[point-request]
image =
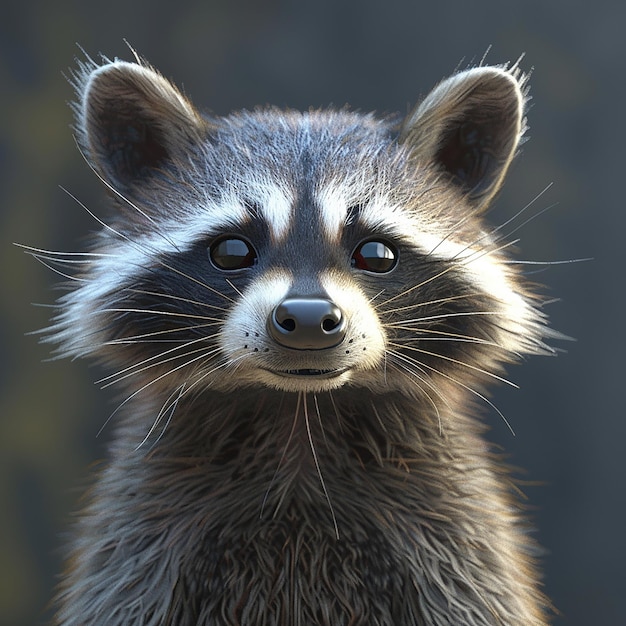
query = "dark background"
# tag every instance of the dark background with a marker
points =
(569, 414)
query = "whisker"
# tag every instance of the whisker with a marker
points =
(443, 272)
(376, 295)
(498, 228)
(202, 376)
(319, 418)
(440, 335)
(159, 416)
(407, 360)
(175, 314)
(281, 460)
(120, 235)
(523, 210)
(149, 384)
(317, 465)
(423, 303)
(60, 255)
(150, 362)
(563, 262)
(441, 316)
(133, 339)
(405, 366)
(172, 410)
(457, 362)
(58, 271)
(123, 198)
(470, 390)
(98, 220)
(336, 410)
(234, 288)
(170, 296)
(453, 263)
(195, 280)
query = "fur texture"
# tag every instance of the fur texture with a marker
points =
(266, 470)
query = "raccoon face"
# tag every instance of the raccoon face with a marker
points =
(300, 252)
(307, 335)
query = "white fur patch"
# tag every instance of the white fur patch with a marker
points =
(250, 313)
(365, 341)
(276, 204)
(334, 208)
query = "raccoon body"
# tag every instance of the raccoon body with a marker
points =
(303, 310)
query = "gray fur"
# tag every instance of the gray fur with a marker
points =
(238, 492)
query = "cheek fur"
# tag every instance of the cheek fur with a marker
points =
(366, 338)
(244, 330)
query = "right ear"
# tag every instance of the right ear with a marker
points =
(133, 123)
(469, 127)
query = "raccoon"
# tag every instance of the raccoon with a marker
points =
(303, 310)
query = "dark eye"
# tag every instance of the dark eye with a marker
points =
(374, 256)
(232, 253)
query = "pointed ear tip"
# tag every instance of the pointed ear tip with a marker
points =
(511, 75)
(119, 68)
(113, 75)
(99, 72)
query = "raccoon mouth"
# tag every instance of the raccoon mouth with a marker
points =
(309, 373)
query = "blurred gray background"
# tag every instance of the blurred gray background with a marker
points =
(569, 414)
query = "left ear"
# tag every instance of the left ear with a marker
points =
(470, 126)
(132, 124)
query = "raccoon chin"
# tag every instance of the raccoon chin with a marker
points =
(305, 379)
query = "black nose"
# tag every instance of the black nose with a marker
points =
(307, 323)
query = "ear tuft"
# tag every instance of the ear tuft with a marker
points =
(469, 126)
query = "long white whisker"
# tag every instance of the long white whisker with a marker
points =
(441, 316)
(58, 271)
(439, 335)
(143, 366)
(137, 246)
(317, 466)
(195, 280)
(97, 219)
(282, 458)
(170, 296)
(123, 198)
(407, 360)
(405, 366)
(423, 303)
(162, 412)
(57, 254)
(149, 384)
(147, 337)
(171, 411)
(319, 418)
(472, 391)
(457, 362)
(523, 210)
(174, 314)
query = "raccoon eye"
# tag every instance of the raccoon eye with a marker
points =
(374, 256)
(232, 253)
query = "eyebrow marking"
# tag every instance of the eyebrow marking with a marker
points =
(276, 207)
(333, 211)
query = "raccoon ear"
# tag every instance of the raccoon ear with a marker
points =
(470, 126)
(132, 123)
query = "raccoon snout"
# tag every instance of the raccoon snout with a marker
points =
(307, 323)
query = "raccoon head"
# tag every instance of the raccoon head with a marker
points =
(299, 251)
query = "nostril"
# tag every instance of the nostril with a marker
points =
(289, 324)
(330, 323)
